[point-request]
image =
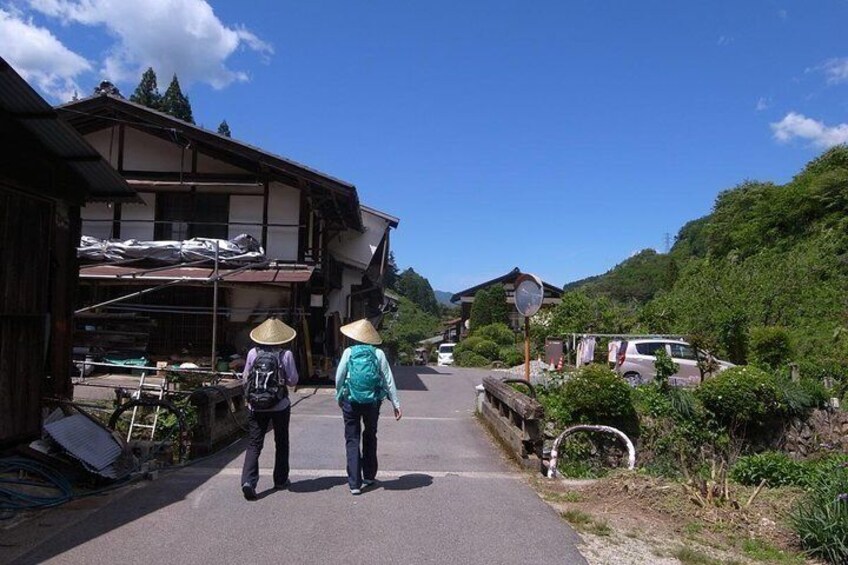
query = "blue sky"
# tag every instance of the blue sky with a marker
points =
(559, 137)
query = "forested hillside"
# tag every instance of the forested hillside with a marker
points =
(768, 256)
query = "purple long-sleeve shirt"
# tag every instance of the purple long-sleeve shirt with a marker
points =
(288, 371)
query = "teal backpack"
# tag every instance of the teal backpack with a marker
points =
(364, 381)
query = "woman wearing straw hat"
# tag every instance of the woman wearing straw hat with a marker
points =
(269, 354)
(363, 380)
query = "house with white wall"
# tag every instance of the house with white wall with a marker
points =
(325, 253)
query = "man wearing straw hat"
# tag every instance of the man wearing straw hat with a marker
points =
(269, 336)
(363, 380)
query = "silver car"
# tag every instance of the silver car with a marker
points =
(636, 359)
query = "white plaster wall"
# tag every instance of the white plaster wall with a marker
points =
(283, 208)
(337, 299)
(147, 212)
(355, 248)
(245, 299)
(247, 209)
(102, 139)
(144, 152)
(206, 164)
(96, 211)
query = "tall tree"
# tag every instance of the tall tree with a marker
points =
(147, 92)
(175, 103)
(390, 277)
(489, 307)
(224, 129)
(416, 288)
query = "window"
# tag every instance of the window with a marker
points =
(185, 215)
(682, 351)
(649, 348)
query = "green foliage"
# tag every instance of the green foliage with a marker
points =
(147, 93)
(664, 367)
(595, 395)
(638, 278)
(489, 307)
(748, 400)
(578, 312)
(771, 347)
(498, 332)
(224, 129)
(488, 349)
(175, 103)
(775, 467)
(511, 356)
(403, 329)
(390, 276)
(821, 519)
(470, 359)
(416, 288)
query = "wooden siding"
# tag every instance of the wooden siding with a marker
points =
(25, 239)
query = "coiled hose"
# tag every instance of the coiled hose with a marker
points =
(14, 499)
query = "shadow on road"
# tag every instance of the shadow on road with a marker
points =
(315, 485)
(407, 482)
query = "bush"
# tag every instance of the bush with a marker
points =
(487, 348)
(596, 395)
(499, 333)
(770, 347)
(470, 359)
(467, 344)
(821, 519)
(777, 468)
(744, 397)
(511, 356)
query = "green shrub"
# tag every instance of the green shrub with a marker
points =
(511, 356)
(821, 519)
(819, 395)
(470, 359)
(777, 468)
(487, 348)
(499, 333)
(467, 344)
(596, 395)
(770, 347)
(743, 398)
(664, 367)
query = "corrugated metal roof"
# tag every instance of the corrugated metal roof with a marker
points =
(59, 139)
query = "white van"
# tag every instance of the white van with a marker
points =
(445, 354)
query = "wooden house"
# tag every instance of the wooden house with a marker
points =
(47, 171)
(325, 252)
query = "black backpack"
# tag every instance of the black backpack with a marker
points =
(264, 387)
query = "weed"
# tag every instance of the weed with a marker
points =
(763, 551)
(689, 556)
(576, 518)
(601, 528)
(693, 528)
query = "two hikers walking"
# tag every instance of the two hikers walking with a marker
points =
(363, 380)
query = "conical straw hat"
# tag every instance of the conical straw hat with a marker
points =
(362, 331)
(272, 332)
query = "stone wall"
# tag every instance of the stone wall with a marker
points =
(824, 432)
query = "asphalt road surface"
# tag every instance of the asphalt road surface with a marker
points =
(445, 495)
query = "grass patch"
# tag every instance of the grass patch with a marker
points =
(563, 497)
(689, 556)
(599, 528)
(577, 518)
(693, 528)
(586, 523)
(760, 550)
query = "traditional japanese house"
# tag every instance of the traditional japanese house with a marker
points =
(324, 254)
(47, 171)
(465, 299)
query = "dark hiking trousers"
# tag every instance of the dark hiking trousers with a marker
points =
(257, 427)
(360, 465)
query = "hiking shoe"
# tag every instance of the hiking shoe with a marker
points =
(248, 491)
(283, 486)
(355, 491)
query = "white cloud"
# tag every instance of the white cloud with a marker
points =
(782, 14)
(836, 70)
(795, 125)
(724, 41)
(172, 36)
(762, 104)
(39, 57)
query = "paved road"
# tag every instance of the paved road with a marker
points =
(446, 495)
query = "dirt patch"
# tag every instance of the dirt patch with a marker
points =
(632, 518)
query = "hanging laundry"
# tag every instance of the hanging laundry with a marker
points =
(612, 349)
(588, 351)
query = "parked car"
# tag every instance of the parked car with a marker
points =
(636, 360)
(445, 354)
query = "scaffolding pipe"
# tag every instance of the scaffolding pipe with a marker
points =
(127, 297)
(215, 308)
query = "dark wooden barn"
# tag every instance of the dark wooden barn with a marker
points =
(47, 171)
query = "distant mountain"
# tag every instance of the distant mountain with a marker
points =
(443, 297)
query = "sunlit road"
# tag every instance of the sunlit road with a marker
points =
(445, 495)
